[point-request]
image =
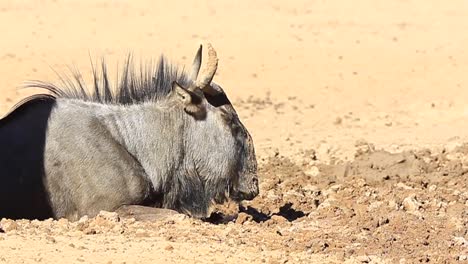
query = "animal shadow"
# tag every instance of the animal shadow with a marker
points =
(285, 211)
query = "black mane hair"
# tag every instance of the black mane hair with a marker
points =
(132, 87)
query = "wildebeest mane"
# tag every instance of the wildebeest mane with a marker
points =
(133, 86)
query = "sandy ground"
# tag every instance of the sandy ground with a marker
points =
(323, 87)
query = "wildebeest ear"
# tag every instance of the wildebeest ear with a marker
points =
(191, 101)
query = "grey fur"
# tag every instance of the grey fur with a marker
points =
(153, 140)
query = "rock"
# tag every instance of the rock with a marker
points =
(242, 218)
(272, 196)
(278, 219)
(8, 225)
(403, 186)
(323, 153)
(460, 241)
(327, 203)
(311, 189)
(363, 147)
(393, 204)
(374, 205)
(89, 231)
(141, 233)
(363, 259)
(62, 222)
(84, 219)
(410, 204)
(83, 223)
(313, 171)
(110, 216)
(51, 239)
(169, 248)
(452, 146)
(338, 121)
(382, 221)
(293, 193)
(336, 187)
(179, 217)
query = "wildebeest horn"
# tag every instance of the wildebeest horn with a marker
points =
(196, 64)
(204, 78)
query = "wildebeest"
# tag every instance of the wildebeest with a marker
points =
(161, 137)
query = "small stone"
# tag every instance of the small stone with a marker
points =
(141, 233)
(110, 216)
(382, 221)
(293, 193)
(313, 171)
(62, 221)
(460, 241)
(393, 204)
(8, 225)
(363, 259)
(278, 219)
(311, 189)
(403, 186)
(169, 248)
(452, 146)
(323, 153)
(90, 231)
(242, 218)
(374, 205)
(327, 203)
(51, 239)
(363, 147)
(84, 219)
(410, 204)
(336, 187)
(179, 217)
(338, 121)
(272, 196)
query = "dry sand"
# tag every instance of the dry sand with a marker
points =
(316, 83)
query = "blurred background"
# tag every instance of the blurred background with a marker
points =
(302, 74)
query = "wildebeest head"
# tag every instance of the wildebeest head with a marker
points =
(217, 143)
